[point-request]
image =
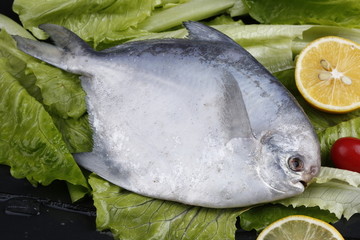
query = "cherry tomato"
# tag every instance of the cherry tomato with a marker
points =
(345, 153)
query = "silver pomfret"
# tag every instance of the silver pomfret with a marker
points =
(196, 120)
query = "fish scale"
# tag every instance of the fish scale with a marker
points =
(197, 121)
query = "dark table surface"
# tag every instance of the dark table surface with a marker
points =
(46, 213)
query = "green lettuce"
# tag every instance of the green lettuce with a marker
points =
(30, 143)
(132, 216)
(194, 10)
(334, 189)
(93, 21)
(324, 12)
(108, 22)
(61, 91)
(13, 28)
(77, 133)
(334, 193)
(260, 217)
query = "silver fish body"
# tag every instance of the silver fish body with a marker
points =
(197, 121)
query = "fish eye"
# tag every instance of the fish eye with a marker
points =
(296, 164)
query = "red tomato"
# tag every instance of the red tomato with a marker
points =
(345, 153)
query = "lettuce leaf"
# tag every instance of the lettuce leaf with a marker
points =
(77, 133)
(93, 21)
(334, 189)
(260, 217)
(131, 216)
(61, 91)
(191, 10)
(108, 23)
(17, 60)
(318, 31)
(335, 193)
(30, 143)
(13, 27)
(325, 12)
(346, 128)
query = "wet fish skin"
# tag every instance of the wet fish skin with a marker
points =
(197, 120)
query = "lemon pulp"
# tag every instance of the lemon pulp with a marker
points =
(299, 227)
(327, 74)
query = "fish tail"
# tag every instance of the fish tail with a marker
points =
(67, 46)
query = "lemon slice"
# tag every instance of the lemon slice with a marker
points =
(327, 74)
(299, 227)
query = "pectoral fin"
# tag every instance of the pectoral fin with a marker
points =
(235, 109)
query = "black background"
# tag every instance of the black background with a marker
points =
(42, 213)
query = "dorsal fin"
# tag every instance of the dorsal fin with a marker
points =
(66, 39)
(199, 31)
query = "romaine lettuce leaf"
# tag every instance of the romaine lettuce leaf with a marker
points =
(324, 12)
(191, 10)
(318, 31)
(346, 128)
(13, 27)
(103, 24)
(334, 189)
(334, 193)
(77, 192)
(61, 91)
(30, 143)
(93, 21)
(260, 217)
(17, 62)
(108, 23)
(77, 133)
(131, 216)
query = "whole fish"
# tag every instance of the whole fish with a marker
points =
(197, 120)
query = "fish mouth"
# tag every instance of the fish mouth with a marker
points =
(299, 185)
(304, 183)
(308, 176)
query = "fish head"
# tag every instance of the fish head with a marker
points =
(289, 161)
